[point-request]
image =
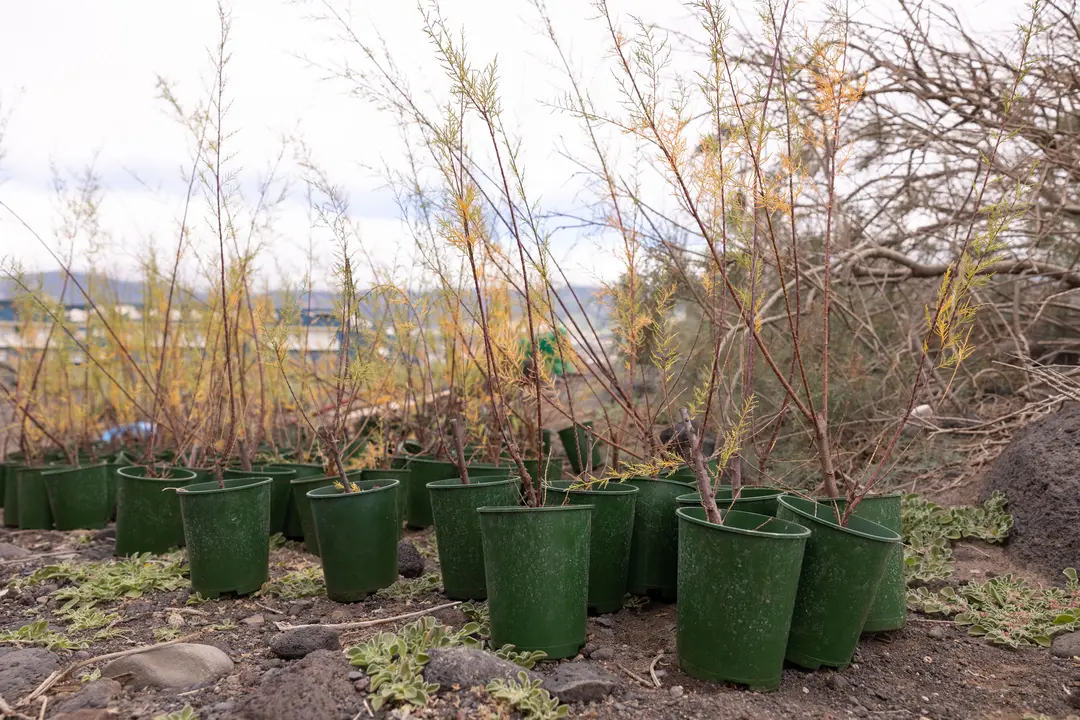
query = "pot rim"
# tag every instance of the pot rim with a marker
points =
(197, 488)
(882, 534)
(801, 534)
(59, 471)
(330, 492)
(611, 488)
(695, 496)
(452, 484)
(141, 476)
(518, 510)
(259, 471)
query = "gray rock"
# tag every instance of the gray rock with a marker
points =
(936, 633)
(253, 620)
(93, 696)
(23, 670)
(315, 688)
(355, 675)
(676, 691)
(1066, 645)
(171, 667)
(12, 552)
(603, 653)
(604, 621)
(468, 667)
(580, 682)
(295, 644)
(836, 681)
(410, 562)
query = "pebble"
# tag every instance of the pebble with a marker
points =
(605, 621)
(253, 620)
(676, 691)
(661, 673)
(837, 681)
(604, 653)
(937, 633)
(362, 684)
(355, 675)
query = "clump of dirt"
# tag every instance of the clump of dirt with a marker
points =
(1037, 471)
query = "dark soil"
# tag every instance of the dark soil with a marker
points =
(1038, 474)
(931, 669)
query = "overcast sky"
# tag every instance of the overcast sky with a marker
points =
(77, 82)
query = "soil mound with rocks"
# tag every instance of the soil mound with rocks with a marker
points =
(1039, 472)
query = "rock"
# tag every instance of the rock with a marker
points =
(254, 620)
(409, 561)
(23, 670)
(1067, 645)
(937, 633)
(604, 653)
(316, 688)
(355, 675)
(467, 667)
(605, 621)
(1037, 473)
(295, 644)
(836, 681)
(580, 682)
(13, 552)
(92, 696)
(676, 691)
(171, 667)
(106, 534)
(1073, 699)
(86, 714)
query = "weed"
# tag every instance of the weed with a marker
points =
(1006, 610)
(166, 633)
(412, 589)
(91, 676)
(302, 583)
(38, 633)
(928, 528)
(186, 713)
(527, 697)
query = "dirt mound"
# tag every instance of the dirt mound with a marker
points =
(1039, 472)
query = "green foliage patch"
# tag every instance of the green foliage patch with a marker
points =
(928, 529)
(302, 583)
(527, 697)
(412, 589)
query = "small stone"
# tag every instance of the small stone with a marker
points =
(253, 620)
(363, 684)
(604, 653)
(676, 691)
(937, 633)
(467, 667)
(339, 616)
(1066, 645)
(222, 707)
(355, 675)
(175, 666)
(43, 600)
(298, 643)
(13, 552)
(410, 561)
(92, 696)
(836, 681)
(605, 621)
(589, 649)
(660, 673)
(1073, 699)
(860, 711)
(580, 682)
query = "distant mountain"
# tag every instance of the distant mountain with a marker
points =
(127, 292)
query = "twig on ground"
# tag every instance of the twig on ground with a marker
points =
(652, 668)
(370, 623)
(635, 676)
(9, 712)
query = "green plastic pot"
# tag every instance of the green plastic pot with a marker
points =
(402, 476)
(280, 490)
(654, 548)
(417, 500)
(11, 494)
(148, 518)
(226, 530)
(889, 611)
(760, 500)
(842, 569)
(579, 441)
(457, 530)
(357, 539)
(609, 545)
(79, 497)
(301, 486)
(536, 561)
(34, 512)
(3, 483)
(294, 529)
(737, 587)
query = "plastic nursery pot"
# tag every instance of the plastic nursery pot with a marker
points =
(226, 530)
(294, 529)
(11, 494)
(842, 569)
(609, 545)
(34, 511)
(148, 518)
(889, 611)
(737, 588)
(3, 483)
(654, 548)
(760, 500)
(280, 490)
(457, 529)
(357, 539)
(536, 561)
(402, 476)
(417, 500)
(79, 497)
(301, 486)
(579, 441)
